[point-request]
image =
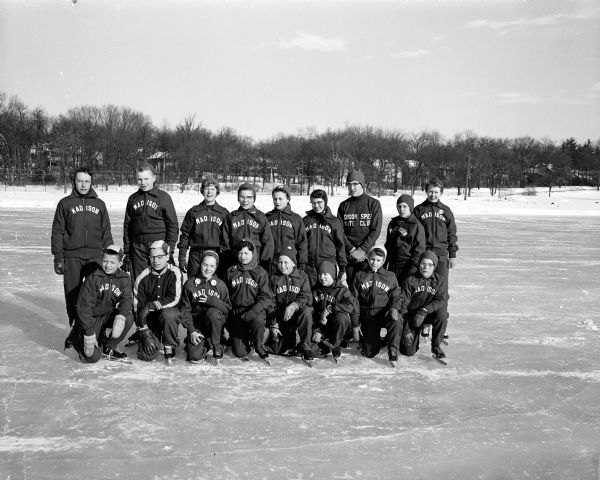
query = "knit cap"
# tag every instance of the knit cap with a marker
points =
(328, 267)
(289, 251)
(282, 188)
(355, 176)
(430, 256)
(405, 198)
(247, 186)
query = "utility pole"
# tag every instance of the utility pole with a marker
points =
(468, 175)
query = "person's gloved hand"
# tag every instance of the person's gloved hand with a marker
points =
(419, 318)
(148, 341)
(118, 326)
(183, 264)
(195, 338)
(356, 333)
(89, 344)
(289, 311)
(275, 332)
(316, 337)
(59, 267)
(126, 267)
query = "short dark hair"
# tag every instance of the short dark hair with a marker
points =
(85, 170)
(377, 251)
(319, 193)
(146, 166)
(248, 244)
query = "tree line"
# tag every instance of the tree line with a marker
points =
(35, 146)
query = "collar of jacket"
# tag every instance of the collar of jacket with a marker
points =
(294, 273)
(240, 211)
(216, 207)
(153, 191)
(118, 274)
(164, 270)
(326, 213)
(287, 210)
(91, 194)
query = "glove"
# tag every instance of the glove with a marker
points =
(356, 333)
(344, 278)
(317, 337)
(274, 331)
(182, 264)
(126, 267)
(195, 338)
(171, 259)
(289, 311)
(89, 344)
(395, 314)
(358, 255)
(118, 326)
(153, 306)
(419, 318)
(451, 262)
(59, 268)
(149, 345)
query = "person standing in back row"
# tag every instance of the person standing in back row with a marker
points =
(80, 231)
(201, 229)
(149, 216)
(440, 230)
(362, 218)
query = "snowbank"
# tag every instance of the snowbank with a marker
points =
(581, 201)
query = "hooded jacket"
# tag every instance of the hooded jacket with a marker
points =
(217, 297)
(100, 295)
(163, 289)
(429, 294)
(362, 218)
(81, 226)
(249, 287)
(201, 227)
(150, 216)
(440, 228)
(251, 225)
(404, 243)
(288, 230)
(325, 237)
(338, 297)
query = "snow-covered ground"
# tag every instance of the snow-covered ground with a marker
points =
(519, 399)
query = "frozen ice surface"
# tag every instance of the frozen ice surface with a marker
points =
(519, 399)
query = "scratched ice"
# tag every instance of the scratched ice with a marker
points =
(519, 399)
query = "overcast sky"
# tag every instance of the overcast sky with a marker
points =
(497, 68)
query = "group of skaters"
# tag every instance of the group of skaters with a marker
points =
(276, 283)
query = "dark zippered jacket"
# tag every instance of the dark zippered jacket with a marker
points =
(249, 288)
(291, 288)
(101, 294)
(404, 243)
(325, 236)
(440, 228)
(429, 294)
(81, 226)
(288, 230)
(376, 290)
(150, 216)
(163, 289)
(217, 297)
(201, 228)
(338, 297)
(251, 225)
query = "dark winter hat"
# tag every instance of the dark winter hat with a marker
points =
(289, 251)
(328, 267)
(319, 193)
(355, 176)
(247, 186)
(429, 255)
(210, 181)
(282, 188)
(210, 253)
(405, 198)
(114, 250)
(146, 166)
(379, 250)
(160, 245)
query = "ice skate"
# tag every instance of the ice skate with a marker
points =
(393, 357)
(264, 356)
(115, 355)
(439, 355)
(169, 353)
(307, 358)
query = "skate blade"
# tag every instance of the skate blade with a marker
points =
(441, 361)
(393, 363)
(118, 360)
(308, 363)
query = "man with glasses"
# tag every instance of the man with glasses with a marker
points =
(156, 296)
(362, 218)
